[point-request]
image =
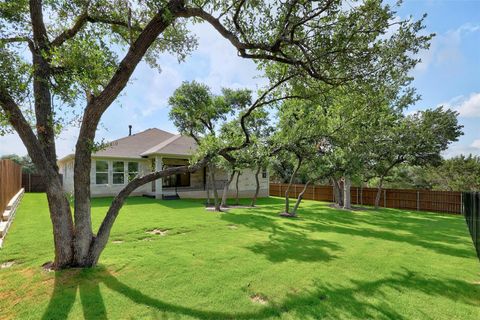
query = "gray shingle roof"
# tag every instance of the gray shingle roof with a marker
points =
(145, 143)
(133, 146)
(176, 145)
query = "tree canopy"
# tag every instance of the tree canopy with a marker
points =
(66, 62)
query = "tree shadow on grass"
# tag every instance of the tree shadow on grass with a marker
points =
(437, 233)
(367, 299)
(359, 299)
(64, 293)
(440, 233)
(284, 244)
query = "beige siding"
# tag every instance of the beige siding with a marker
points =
(246, 181)
(66, 169)
(246, 184)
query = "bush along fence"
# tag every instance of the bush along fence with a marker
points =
(471, 209)
(10, 194)
(423, 200)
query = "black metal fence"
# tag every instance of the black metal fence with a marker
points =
(471, 210)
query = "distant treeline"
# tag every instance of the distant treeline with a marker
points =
(24, 161)
(460, 173)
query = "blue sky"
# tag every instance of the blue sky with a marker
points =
(448, 75)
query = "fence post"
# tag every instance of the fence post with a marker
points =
(357, 195)
(461, 203)
(418, 200)
(361, 194)
(313, 192)
(384, 198)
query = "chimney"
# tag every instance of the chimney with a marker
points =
(130, 130)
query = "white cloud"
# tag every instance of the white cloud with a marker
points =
(468, 107)
(445, 49)
(459, 148)
(226, 68)
(476, 144)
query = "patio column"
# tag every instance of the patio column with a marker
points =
(158, 182)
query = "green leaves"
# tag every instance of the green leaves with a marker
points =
(84, 64)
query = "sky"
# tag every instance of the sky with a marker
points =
(448, 75)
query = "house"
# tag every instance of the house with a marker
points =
(155, 149)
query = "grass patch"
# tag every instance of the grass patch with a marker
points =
(246, 264)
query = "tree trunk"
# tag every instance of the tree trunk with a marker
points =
(211, 174)
(225, 189)
(237, 200)
(208, 194)
(100, 241)
(294, 173)
(379, 193)
(338, 194)
(257, 189)
(299, 199)
(63, 230)
(347, 203)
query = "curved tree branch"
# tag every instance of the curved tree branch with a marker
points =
(24, 130)
(104, 231)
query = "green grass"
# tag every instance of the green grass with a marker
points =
(385, 264)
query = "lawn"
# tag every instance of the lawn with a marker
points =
(247, 264)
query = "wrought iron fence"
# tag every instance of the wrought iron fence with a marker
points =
(471, 210)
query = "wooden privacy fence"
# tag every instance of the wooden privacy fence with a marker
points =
(33, 182)
(424, 200)
(10, 181)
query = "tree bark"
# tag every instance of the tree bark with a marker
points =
(225, 190)
(294, 173)
(299, 199)
(211, 174)
(257, 188)
(208, 193)
(379, 192)
(237, 200)
(338, 194)
(94, 110)
(63, 229)
(347, 184)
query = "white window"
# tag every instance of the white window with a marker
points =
(118, 173)
(101, 172)
(132, 170)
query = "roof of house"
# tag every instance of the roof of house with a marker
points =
(149, 142)
(176, 145)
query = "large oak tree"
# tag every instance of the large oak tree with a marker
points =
(74, 64)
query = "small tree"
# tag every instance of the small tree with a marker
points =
(255, 156)
(416, 139)
(200, 114)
